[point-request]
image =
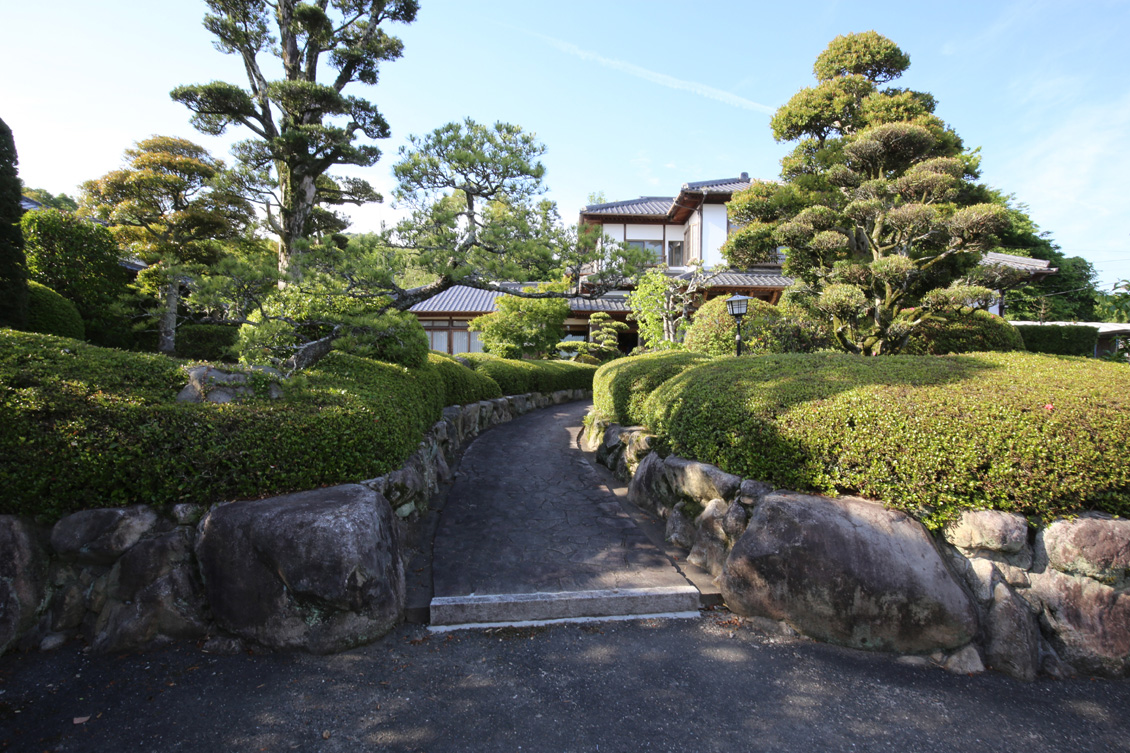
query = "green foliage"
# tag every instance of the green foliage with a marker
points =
(1059, 339)
(877, 211)
(932, 436)
(621, 387)
(604, 342)
(62, 201)
(462, 385)
(963, 331)
(301, 127)
(51, 314)
(77, 259)
(296, 315)
(662, 304)
(93, 427)
(208, 342)
(524, 326)
(519, 377)
(765, 329)
(13, 265)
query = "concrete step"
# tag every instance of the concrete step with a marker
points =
(490, 609)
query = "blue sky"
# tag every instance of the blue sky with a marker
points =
(630, 98)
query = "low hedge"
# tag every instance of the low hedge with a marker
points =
(963, 331)
(1040, 435)
(207, 342)
(517, 377)
(1059, 339)
(92, 427)
(621, 386)
(49, 313)
(462, 385)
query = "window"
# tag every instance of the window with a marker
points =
(451, 336)
(654, 249)
(674, 253)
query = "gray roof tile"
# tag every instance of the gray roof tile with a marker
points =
(1017, 262)
(645, 206)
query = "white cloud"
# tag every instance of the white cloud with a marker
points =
(662, 79)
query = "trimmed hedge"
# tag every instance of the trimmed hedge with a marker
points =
(621, 386)
(49, 313)
(1040, 435)
(208, 342)
(92, 427)
(1059, 339)
(462, 385)
(713, 331)
(517, 377)
(963, 331)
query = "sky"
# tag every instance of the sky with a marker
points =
(630, 98)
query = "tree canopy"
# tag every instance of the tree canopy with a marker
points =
(877, 210)
(303, 125)
(164, 206)
(13, 266)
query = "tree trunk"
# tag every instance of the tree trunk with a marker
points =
(167, 326)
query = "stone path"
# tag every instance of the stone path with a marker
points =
(530, 533)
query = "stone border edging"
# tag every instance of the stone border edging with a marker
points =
(1053, 600)
(131, 578)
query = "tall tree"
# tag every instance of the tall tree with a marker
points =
(876, 210)
(163, 206)
(13, 265)
(302, 127)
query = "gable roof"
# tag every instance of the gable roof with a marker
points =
(673, 210)
(460, 299)
(1039, 267)
(644, 206)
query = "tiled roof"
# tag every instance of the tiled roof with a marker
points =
(463, 299)
(1104, 328)
(1017, 262)
(644, 206)
(610, 302)
(751, 280)
(29, 205)
(721, 185)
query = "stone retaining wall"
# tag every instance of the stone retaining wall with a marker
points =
(987, 591)
(320, 570)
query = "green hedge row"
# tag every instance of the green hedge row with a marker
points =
(517, 377)
(1040, 435)
(462, 385)
(621, 387)
(92, 427)
(49, 313)
(1059, 339)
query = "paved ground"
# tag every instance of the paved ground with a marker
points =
(665, 685)
(528, 514)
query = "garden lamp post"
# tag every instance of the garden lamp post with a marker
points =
(737, 305)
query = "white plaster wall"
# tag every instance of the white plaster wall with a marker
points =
(644, 232)
(615, 231)
(714, 227)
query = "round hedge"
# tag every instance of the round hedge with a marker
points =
(462, 385)
(963, 331)
(94, 427)
(1039, 435)
(713, 331)
(620, 387)
(49, 313)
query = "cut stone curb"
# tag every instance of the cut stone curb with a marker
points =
(475, 609)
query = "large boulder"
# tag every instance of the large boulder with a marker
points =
(1012, 642)
(1095, 547)
(100, 536)
(649, 489)
(700, 482)
(985, 531)
(23, 578)
(319, 570)
(847, 571)
(1086, 622)
(153, 595)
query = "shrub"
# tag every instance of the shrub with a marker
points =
(462, 385)
(392, 336)
(1038, 435)
(13, 265)
(93, 427)
(1059, 339)
(963, 331)
(76, 258)
(51, 314)
(207, 342)
(519, 377)
(621, 387)
(765, 329)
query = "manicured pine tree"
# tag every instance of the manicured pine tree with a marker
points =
(13, 265)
